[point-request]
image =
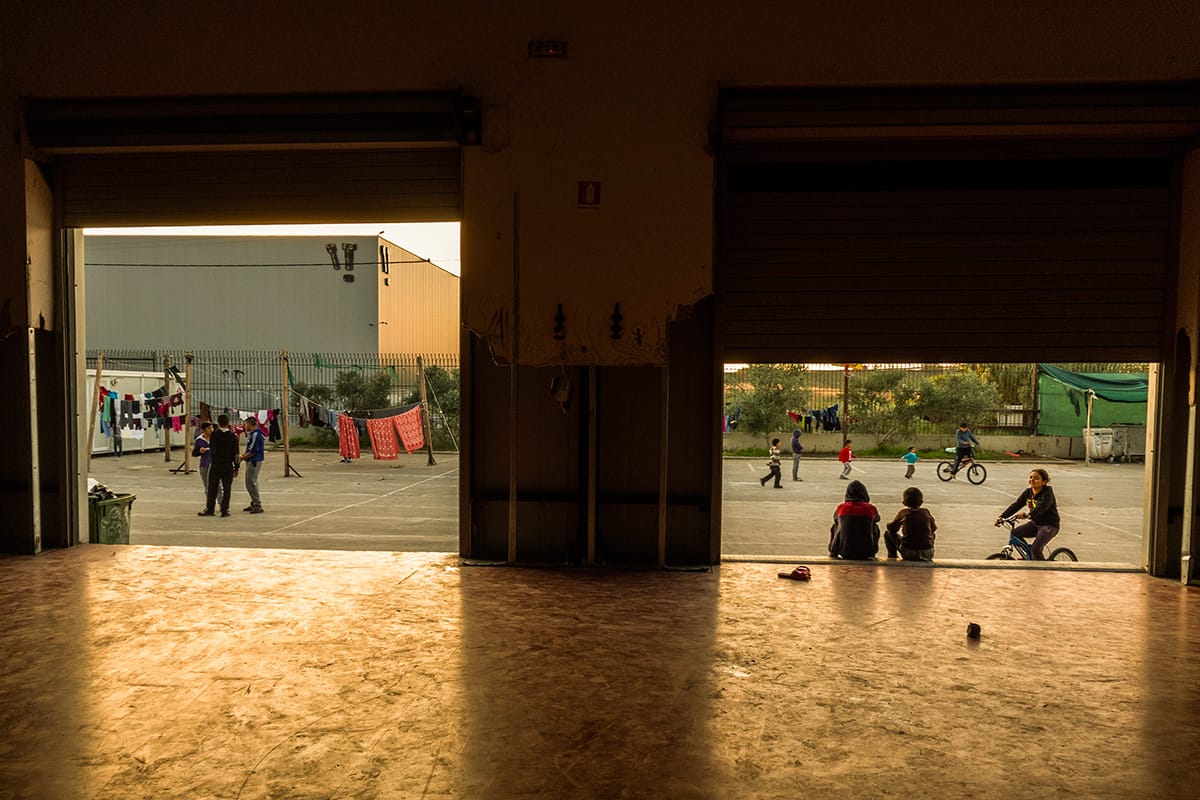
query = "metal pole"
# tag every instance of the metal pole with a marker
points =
(513, 393)
(593, 466)
(1087, 436)
(425, 411)
(663, 450)
(92, 405)
(187, 410)
(845, 404)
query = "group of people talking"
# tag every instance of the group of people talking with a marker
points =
(910, 535)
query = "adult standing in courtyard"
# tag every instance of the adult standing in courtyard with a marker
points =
(253, 458)
(224, 449)
(797, 449)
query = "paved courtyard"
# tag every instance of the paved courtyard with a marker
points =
(401, 505)
(1100, 504)
(408, 506)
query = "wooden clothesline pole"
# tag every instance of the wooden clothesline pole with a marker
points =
(286, 401)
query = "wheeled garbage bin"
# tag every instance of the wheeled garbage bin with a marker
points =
(1101, 445)
(109, 519)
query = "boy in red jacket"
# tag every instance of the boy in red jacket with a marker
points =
(845, 456)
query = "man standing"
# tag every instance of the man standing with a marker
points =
(224, 449)
(797, 449)
(964, 441)
(255, 452)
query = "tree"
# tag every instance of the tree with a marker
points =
(884, 403)
(765, 393)
(442, 386)
(351, 392)
(952, 397)
(361, 394)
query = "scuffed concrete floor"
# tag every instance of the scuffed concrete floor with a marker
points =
(146, 672)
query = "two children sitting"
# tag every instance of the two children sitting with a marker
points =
(855, 530)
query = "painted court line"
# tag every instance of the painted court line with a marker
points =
(364, 502)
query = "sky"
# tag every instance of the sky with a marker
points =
(436, 241)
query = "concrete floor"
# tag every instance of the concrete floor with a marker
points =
(156, 672)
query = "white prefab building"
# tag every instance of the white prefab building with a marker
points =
(360, 294)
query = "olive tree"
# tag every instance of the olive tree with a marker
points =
(765, 393)
(884, 403)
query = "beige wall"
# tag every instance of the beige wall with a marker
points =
(419, 301)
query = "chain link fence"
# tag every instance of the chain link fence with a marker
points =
(254, 379)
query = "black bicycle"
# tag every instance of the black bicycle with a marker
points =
(1018, 549)
(976, 472)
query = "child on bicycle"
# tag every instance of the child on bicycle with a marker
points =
(911, 533)
(964, 444)
(1038, 504)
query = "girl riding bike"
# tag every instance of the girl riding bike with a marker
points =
(1038, 504)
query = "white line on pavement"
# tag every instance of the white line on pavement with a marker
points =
(364, 502)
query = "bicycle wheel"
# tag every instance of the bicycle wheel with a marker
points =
(945, 470)
(1062, 554)
(998, 557)
(976, 474)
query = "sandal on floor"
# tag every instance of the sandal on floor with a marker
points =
(798, 574)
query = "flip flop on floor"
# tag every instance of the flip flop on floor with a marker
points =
(798, 574)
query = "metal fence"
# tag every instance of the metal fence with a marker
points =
(253, 379)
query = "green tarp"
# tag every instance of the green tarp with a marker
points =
(1062, 400)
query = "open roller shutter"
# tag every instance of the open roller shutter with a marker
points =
(996, 249)
(256, 160)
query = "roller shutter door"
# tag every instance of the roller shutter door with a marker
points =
(995, 249)
(264, 160)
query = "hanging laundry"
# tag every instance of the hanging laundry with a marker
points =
(177, 424)
(408, 426)
(347, 437)
(273, 432)
(383, 439)
(205, 412)
(133, 433)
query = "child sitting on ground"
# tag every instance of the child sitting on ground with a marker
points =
(915, 543)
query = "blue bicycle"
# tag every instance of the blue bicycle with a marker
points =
(1018, 549)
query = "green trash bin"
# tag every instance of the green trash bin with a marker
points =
(109, 520)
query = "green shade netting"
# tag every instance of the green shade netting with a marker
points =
(1062, 400)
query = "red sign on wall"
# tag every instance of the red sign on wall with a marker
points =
(589, 194)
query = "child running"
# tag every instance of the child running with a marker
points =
(916, 527)
(846, 456)
(911, 458)
(775, 466)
